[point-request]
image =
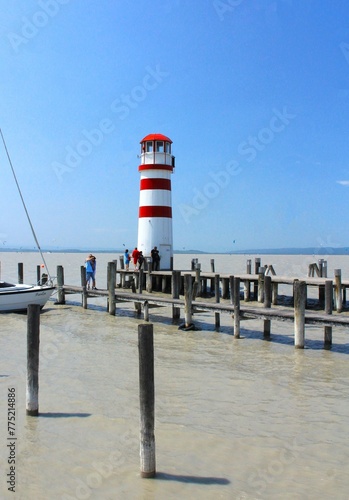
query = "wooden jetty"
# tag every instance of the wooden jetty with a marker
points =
(187, 291)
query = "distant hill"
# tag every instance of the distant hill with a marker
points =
(251, 251)
(295, 251)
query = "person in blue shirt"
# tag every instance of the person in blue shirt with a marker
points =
(90, 264)
(127, 259)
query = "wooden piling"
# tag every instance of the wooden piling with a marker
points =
(274, 293)
(147, 400)
(175, 286)
(212, 265)
(137, 305)
(217, 293)
(20, 272)
(188, 297)
(164, 284)
(83, 285)
(260, 294)
(111, 280)
(247, 283)
(328, 310)
(338, 289)
(225, 288)
(257, 265)
(236, 299)
(38, 275)
(299, 313)
(33, 345)
(198, 280)
(60, 284)
(140, 280)
(149, 280)
(267, 303)
(146, 310)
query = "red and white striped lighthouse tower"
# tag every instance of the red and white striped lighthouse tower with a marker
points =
(155, 209)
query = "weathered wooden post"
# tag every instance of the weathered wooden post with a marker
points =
(216, 314)
(83, 285)
(338, 289)
(175, 285)
(146, 310)
(274, 293)
(198, 280)
(137, 305)
(33, 345)
(212, 289)
(257, 265)
(204, 287)
(247, 283)
(188, 297)
(20, 272)
(116, 272)
(111, 280)
(322, 266)
(122, 275)
(267, 304)
(149, 280)
(225, 288)
(236, 298)
(261, 272)
(38, 275)
(299, 313)
(146, 400)
(231, 286)
(328, 310)
(140, 280)
(60, 283)
(164, 283)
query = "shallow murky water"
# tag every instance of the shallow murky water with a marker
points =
(235, 418)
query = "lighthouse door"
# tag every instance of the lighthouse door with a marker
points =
(165, 254)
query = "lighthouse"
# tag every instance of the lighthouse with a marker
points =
(155, 208)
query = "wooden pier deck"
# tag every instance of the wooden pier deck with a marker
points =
(247, 311)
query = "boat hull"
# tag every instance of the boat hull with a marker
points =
(18, 297)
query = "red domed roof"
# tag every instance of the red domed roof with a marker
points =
(156, 137)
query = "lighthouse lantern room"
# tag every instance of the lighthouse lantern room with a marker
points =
(155, 208)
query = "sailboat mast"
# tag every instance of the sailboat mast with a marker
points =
(24, 205)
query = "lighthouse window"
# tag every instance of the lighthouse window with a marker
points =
(159, 146)
(149, 147)
(167, 147)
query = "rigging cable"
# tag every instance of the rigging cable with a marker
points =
(24, 205)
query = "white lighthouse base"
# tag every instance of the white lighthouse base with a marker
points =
(156, 231)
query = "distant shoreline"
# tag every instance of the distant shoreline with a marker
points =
(257, 251)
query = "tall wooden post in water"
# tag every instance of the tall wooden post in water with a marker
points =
(33, 344)
(146, 399)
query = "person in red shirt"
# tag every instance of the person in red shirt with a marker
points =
(135, 255)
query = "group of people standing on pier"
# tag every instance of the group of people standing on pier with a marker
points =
(137, 258)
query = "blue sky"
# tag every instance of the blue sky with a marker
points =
(253, 93)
